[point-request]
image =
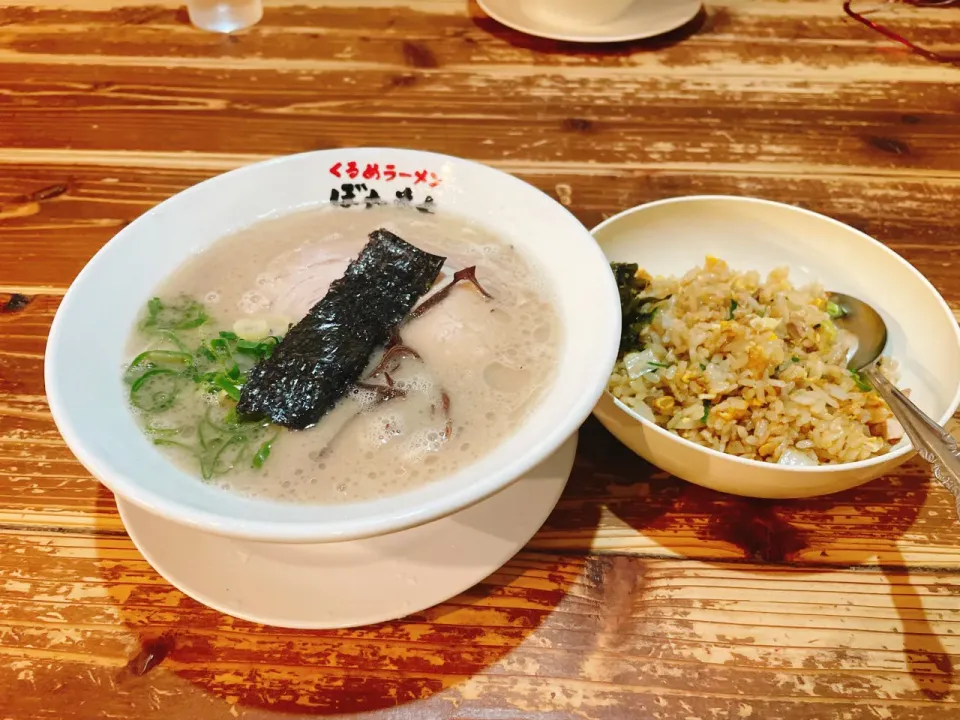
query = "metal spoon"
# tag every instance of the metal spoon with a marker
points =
(932, 442)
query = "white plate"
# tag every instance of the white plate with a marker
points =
(644, 19)
(347, 584)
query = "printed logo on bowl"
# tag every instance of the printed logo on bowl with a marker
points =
(414, 183)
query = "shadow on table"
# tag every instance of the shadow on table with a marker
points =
(350, 671)
(612, 495)
(521, 40)
(697, 523)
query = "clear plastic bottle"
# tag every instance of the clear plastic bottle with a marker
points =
(224, 16)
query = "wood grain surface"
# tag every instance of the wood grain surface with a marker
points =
(642, 597)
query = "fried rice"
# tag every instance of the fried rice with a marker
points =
(752, 367)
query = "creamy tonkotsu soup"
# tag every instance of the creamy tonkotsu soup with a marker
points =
(456, 376)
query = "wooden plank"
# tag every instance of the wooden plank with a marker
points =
(46, 244)
(584, 119)
(615, 502)
(641, 596)
(585, 636)
(294, 31)
(781, 99)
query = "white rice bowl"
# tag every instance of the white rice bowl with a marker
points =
(670, 237)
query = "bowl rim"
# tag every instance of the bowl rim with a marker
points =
(583, 400)
(903, 451)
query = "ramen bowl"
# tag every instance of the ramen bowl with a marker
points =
(671, 237)
(87, 343)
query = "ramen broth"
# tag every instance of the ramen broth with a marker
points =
(483, 362)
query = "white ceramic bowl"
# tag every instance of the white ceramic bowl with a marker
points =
(670, 237)
(584, 12)
(85, 350)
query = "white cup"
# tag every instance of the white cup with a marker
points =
(581, 12)
(224, 16)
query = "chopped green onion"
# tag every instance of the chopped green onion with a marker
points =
(183, 315)
(152, 429)
(795, 359)
(219, 440)
(703, 366)
(207, 433)
(225, 384)
(658, 365)
(222, 425)
(221, 460)
(194, 322)
(733, 306)
(834, 310)
(155, 390)
(174, 443)
(706, 411)
(157, 357)
(263, 453)
(172, 338)
(861, 384)
(253, 352)
(262, 349)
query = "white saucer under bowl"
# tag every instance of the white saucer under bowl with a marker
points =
(348, 584)
(643, 19)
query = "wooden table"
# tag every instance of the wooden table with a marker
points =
(642, 597)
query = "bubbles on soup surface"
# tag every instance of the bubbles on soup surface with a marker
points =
(253, 301)
(266, 280)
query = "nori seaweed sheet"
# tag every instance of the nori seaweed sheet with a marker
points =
(323, 355)
(633, 319)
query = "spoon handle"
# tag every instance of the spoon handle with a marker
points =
(932, 442)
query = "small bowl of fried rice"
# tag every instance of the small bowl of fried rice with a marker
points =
(732, 373)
